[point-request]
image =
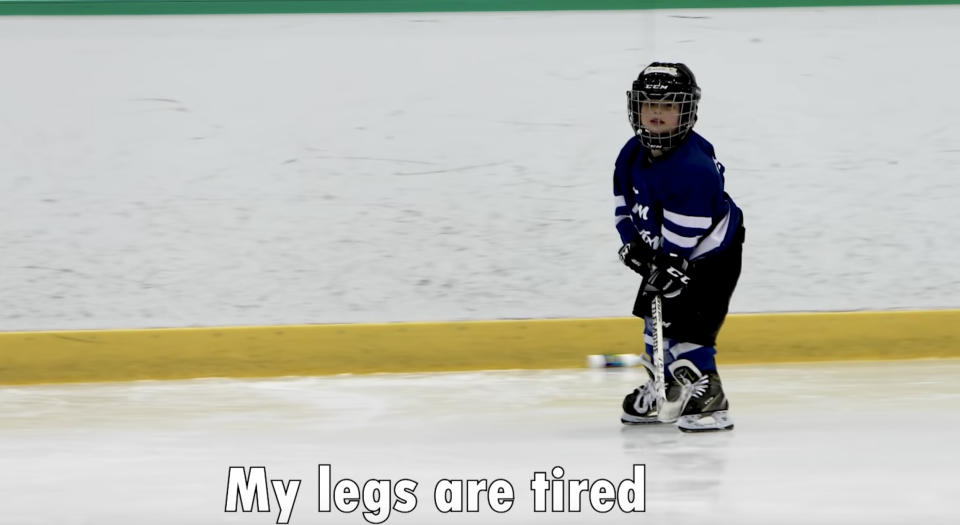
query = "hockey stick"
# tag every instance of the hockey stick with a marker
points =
(658, 375)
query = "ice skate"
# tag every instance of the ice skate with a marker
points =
(704, 405)
(640, 406)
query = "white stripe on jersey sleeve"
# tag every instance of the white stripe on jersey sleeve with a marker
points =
(714, 239)
(687, 221)
(679, 240)
(620, 218)
(619, 200)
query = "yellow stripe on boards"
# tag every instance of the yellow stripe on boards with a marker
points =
(307, 350)
(838, 336)
(268, 351)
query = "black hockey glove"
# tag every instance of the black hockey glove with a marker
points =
(637, 255)
(669, 275)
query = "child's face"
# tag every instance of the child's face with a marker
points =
(660, 116)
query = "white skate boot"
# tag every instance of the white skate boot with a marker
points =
(640, 406)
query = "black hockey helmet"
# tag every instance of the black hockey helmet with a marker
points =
(664, 83)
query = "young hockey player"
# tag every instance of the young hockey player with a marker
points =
(684, 235)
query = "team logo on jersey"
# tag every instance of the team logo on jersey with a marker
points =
(651, 240)
(641, 211)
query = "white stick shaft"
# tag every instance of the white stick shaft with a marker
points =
(658, 376)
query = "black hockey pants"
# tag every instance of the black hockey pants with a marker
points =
(696, 315)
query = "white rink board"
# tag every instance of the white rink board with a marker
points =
(865, 443)
(223, 170)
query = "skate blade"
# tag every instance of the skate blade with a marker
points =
(627, 419)
(718, 421)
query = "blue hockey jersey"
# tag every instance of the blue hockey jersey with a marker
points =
(675, 203)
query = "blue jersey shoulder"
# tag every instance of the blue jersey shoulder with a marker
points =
(628, 153)
(693, 167)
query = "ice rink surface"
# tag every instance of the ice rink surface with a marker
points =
(850, 443)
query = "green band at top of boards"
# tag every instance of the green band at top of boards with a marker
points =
(200, 7)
